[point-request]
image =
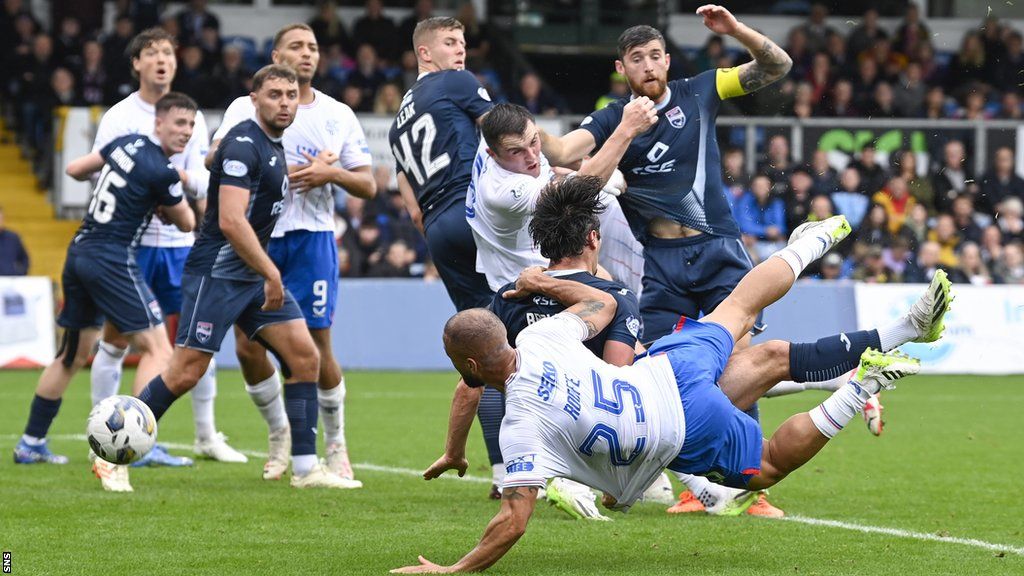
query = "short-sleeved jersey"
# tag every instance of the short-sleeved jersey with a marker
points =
(133, 115)
(323, 124)
(136, 178)
(434, 137)
(569, 414)
(518, 314)
(499, 205)
(246, 158)
(674, 169)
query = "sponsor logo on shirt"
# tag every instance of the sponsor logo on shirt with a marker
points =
(633, 325)
(482, 92)
(520, 464)
(235, 168)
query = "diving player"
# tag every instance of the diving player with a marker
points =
(616, 428)
(229, 278)
(163, 248)
(674, 203)
(302, 245)
(101, 278)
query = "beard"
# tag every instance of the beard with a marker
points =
(653, 90)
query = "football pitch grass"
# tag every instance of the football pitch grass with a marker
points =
(939, 493)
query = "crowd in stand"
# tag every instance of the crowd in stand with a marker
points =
(912, 212)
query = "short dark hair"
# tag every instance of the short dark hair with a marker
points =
(271, 71)
(566, 212)
(434, 24)
(638, 36)
(288, 28)
(175, 100)
(147, 38)
(504, 119)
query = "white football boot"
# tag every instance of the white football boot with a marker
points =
(216, 448)
(320, 477)
(278, 453)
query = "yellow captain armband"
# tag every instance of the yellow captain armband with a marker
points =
(727, 81)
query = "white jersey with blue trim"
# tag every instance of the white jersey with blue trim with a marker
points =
(323, 124)
(499, 206)
(569, 414)
(133, 115)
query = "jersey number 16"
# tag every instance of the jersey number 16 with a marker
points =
(103, 200)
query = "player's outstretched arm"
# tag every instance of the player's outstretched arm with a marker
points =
(464, 404)
(502, 533)
(770, 61)
(83, 167)
(595, 307)
(233, 203)
(569, 150)
(180, 215)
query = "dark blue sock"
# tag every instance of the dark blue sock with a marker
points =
(490, 412)
(301, 406)
(41, 415)
(157, 396)
(753, 412)
(831, 356)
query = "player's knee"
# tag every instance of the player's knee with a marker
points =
(776, 355)
(153, 342)
(305, 363)
(249, 352)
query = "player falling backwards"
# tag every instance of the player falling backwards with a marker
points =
(674, 201)
(163, 248)
(571, 414)
(101, 279)
(230, 280)
(325, 147)
(565, 225)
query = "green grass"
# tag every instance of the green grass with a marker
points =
(950, 463)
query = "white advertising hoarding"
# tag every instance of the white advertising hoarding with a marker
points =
(984, 328)
(26, 322)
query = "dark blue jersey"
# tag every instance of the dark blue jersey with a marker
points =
(434, 137)
(517, 314)
(136, 178)
(249, 159)
(674, 169)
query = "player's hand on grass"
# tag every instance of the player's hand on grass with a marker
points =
(718, 19)
(273, 294)
(317, 173)
(638, 116)
(444, 464)
(527, 283)
(424, 567)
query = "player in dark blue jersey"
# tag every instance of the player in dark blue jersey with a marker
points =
(101, 279)
(434, 139)
(693, 257)
(229, 278)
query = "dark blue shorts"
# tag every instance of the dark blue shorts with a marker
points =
(689, 277)
(106, 286)
(210, 306)
(721, 443)
(161, 270)
(308, 262)
(453, 250)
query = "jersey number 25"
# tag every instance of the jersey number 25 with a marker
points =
(615, 406)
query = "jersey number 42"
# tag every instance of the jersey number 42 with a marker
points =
(421, 133)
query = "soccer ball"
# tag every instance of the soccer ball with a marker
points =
(121, 429)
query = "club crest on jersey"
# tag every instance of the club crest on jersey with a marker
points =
(203, 331)
(482, 92)
(332, 126)
(676, 117)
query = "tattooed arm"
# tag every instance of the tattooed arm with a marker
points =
(501, 534)
(595, 307)
(770, 62)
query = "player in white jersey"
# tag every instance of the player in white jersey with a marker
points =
(326, 149)
(615, 428)
(161, 255)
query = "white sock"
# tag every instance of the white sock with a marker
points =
(301, 465)
(801, 253)
(105, 376)
(332, 413)
(897, 333)
(705, 490)
(837, 410)
(789, 387)
(497, 474)
(32, 440)
(202, 404)
(267, 397)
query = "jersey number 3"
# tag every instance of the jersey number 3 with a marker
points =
(103, 200)
(615, 406)
(422, 132)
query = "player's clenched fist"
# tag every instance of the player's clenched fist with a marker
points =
(639, 115)
(273, 294)
(718, 19)
(528, 282)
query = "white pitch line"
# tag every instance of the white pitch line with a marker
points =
(864, 528)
